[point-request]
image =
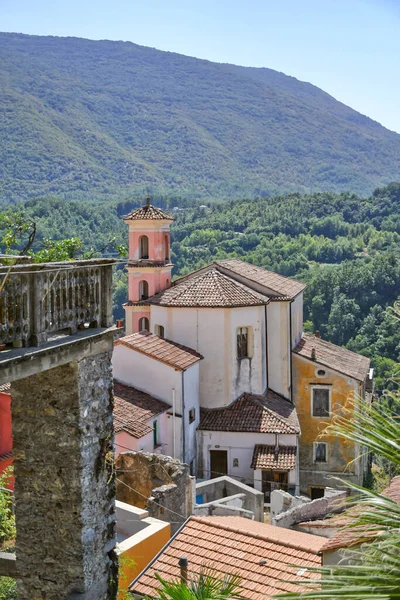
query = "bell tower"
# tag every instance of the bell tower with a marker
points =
(149, 263)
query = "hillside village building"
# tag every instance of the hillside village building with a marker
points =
(248, 391)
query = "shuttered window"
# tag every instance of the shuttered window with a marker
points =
(321, 401)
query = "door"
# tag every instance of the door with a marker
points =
(218, 463)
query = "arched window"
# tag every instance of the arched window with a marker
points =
(144, 324)
(159, 330)
(166, 247)
(143, 290)
(144, 247)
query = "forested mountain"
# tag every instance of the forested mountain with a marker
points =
(345, 247)
(99, 119)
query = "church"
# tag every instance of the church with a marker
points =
(215, 369)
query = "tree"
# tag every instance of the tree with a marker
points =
(204, 586)
(374, 572)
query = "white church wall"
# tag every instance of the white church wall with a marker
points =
(191, 399)
(279, 347)
(212, 332)
(297, 319)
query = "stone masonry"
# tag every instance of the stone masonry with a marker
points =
(160, 484)
(63, 459)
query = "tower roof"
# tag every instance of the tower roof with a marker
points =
(148, 212)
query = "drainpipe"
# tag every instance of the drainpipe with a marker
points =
(173, 423)
(183, 419)
(266, 347)
(290, 353)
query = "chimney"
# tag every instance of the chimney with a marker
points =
(183, 563)
(317, 334)
(313, 354)
(148, 200)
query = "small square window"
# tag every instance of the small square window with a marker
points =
(235, 462)
(192, 415)
(320, 452)
(321, 401)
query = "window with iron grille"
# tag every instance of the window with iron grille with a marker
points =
(242, 342)
(321, 401)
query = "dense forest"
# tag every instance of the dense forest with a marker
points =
(86, 119)
(346, 248)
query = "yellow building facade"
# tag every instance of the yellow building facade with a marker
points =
(325, 379)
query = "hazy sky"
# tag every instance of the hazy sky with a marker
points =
(349, 48)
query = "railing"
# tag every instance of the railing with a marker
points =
(40, 300)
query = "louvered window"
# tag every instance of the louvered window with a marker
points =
(321, 401)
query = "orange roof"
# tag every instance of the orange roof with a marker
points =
(133, 409)
(282, 458)
(172, 354)
(148, 212)
(335, 357)
(280, 285)
(260, 554)
(253, 413)
(209, 289)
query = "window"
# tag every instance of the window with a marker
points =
(242, 342)
(166, 248)
(192, 415)
(320, 452)
(144, 324)
(235, 462)
(144, 247)
(155, 433)
(321, 400)
(159, 330)
(143, 290)
(321, 373)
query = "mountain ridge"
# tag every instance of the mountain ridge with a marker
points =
(102, 119)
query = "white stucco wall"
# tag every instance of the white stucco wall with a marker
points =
(238, 445)
(212, 332)
(297, 319)
(158, 379)
(279, 354)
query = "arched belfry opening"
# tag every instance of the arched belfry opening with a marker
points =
(166, 247)
(143, 290)
(143, 247)
(144, 324)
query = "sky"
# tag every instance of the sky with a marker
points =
(348, 48)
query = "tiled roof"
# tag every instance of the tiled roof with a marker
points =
(6, 456)
(175, 355)
(209, 289)
(332, 356)
(5, 388)
(266, 457)
(253, 413)
(262, 556)
(148, 212)
(133, 408)
(280, 285)
(345, 536)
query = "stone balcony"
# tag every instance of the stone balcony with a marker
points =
(41, 301)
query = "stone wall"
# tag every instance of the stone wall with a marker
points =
(306, 510)
(160, 484)
(64, 492)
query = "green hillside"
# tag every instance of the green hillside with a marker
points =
(98, 119)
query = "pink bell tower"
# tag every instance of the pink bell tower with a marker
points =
(149, 264)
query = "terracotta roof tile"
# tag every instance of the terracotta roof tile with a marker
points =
(265, 457)
(5, 388)
(6, 456)
(173, 354)
(335, 357)
(279, 284)
(253, 413)
(133, 408)
(148, 212)
(210, 289)
(239, 546)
